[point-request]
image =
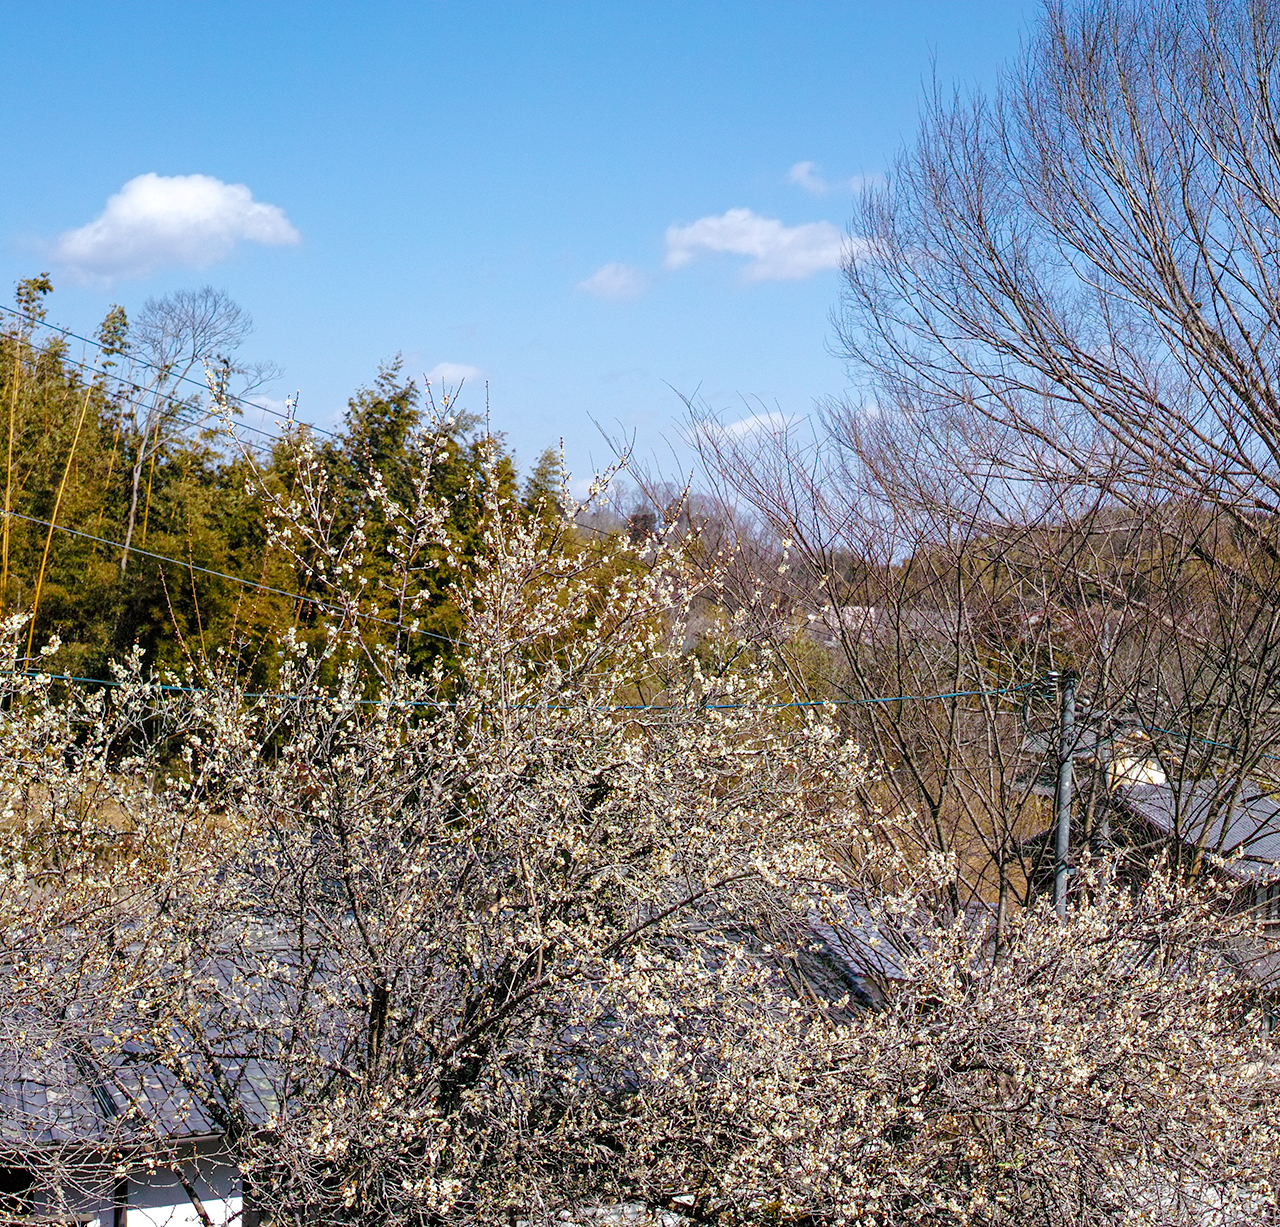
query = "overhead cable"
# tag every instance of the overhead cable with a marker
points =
(234, 579)
(66, 332)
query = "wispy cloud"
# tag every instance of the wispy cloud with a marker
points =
(749, 433)
(808, 176)
(155, 221)
(272, 404)
(450, 374)
(778, 252)
(858, 182)
(616, 283)
(772, 423)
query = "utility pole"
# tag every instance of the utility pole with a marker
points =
(1067, 682)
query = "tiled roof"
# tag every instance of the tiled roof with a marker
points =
(1248, 837)
(54, 1092)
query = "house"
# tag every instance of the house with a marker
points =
(1236, 830)
(876, 625)
(105, 1143)
(1214, 824)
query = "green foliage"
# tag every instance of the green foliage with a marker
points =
(76, 446)
(30, 295)
(544, 487)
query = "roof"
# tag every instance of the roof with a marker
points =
(869, 624)
(62, 1084)
(1248, 837)
(56, 1092)
(45, 1099)
(864, 948)
(873, 948)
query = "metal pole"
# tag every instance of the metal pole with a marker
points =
(1066, 749)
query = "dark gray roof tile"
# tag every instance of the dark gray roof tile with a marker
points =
(1248, 837)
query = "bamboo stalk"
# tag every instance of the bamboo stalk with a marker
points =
(151, 472)
(8, 474)
(53, 518)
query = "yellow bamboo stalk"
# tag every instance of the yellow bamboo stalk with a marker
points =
(151, 472)
(8, 474)
(53, 519)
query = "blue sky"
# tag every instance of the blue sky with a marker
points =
(585, 204)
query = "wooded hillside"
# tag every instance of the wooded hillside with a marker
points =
(137, 508)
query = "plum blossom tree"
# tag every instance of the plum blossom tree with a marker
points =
(539, 937)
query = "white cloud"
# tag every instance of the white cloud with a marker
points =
(271, 404)
(191, 221)
(779, 253)
(616, 282)
(808, 176)
(757, 425)
(450, 374)
(769, 423)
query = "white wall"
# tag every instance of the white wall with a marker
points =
(157, 1199)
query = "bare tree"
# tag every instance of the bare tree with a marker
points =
(174, 338)
(1062, 317)
(1087, 263)
(893, 589)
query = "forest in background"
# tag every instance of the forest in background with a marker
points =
(117, 459)
(899, 554)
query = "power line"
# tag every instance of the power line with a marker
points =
(113, 683)
(1183, 735)
(178, 412)
(87, 367)
(235, 579)
(437, 704)
(66, 332)
(895, 698)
